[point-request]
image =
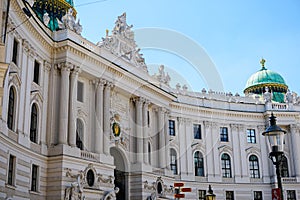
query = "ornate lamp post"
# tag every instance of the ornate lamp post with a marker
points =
(210, 194)
(276, 137)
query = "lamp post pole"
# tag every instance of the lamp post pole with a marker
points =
(276, 137)
(277, 162)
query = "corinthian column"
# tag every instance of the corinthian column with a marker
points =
(99, 117)
(167, 138)
(72, 111)
(145, 131)
(139, 129)
(161, 132)
(64, 103)
(106, 117)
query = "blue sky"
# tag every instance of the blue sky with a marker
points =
(234, 34)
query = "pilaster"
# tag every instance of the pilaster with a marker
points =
(161, 149)
(139, 128)
(145, 131)
(209, 151)
(106, 117)
(72, 104)
(46, 69)
(64, 102)
(236, 152)
(99, 116)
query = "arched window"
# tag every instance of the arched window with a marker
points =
(254, 167)
(199, 164)
(149, 153)
(284, 167)
(79, 134)
(11, 108)
(173, 163)
(33, 123)
(226, 166)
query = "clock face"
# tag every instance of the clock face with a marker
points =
(116, 129)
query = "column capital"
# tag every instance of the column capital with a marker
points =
(99, 83)
(65, 66)
(234, 127)
(108, 84)
(261, 128)
(47, 66)
(294, 128)
(181, 120)
(76, 70)
(241, 127)
(162, 110)
(207, 124)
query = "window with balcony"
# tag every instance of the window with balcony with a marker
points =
(11, 108)
(79, 134)
(198, 164)
(34, 123)
(173, 161)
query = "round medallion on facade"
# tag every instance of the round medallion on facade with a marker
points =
(116, 129)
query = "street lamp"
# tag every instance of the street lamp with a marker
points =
(276, 137)
(210, 194)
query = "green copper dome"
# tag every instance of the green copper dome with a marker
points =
(55, 9)
(266, 78)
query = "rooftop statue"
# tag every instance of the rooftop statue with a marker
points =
(162, 76)
(68, 22)
(122, 44)
(267, 95)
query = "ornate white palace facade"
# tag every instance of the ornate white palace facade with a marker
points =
(87, 121)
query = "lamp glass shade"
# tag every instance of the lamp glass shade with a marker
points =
(276, 139)
(210, 197)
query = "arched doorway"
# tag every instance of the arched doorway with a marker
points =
(119, 173)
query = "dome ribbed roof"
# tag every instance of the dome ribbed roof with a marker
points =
(265, 76)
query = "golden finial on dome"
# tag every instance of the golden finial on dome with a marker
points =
(107, 31)
(262, 62)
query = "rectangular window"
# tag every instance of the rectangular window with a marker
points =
(229, 195)
(201, 194)
(291, 194)
(15, 52)
(251, 136)
(197, 131)
(34, 178)
(36, 72)
(172, 127)
(80, 91)
(258, 195)
(11, 170)
(224, 134)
